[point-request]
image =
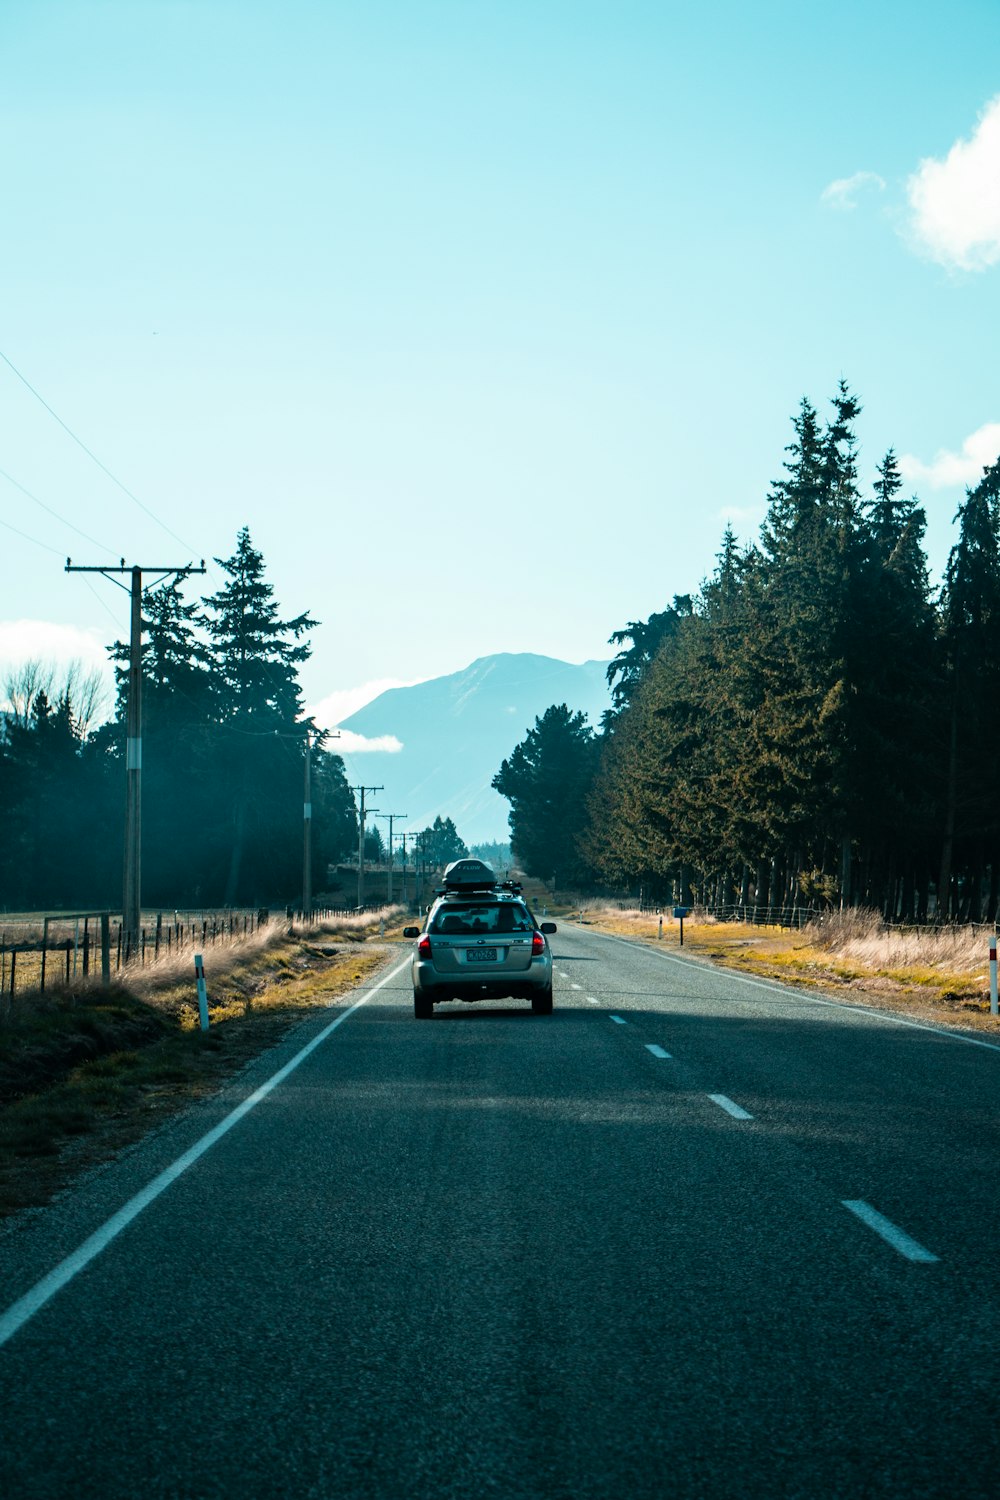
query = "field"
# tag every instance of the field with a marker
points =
(936, 975)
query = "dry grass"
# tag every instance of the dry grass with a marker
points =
(84, 1071)
(941, 975)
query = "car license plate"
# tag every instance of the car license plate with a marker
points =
(481, 955)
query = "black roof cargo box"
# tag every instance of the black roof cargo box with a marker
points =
(469, 874)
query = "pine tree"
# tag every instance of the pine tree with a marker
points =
(255, 655)
(440, 843)
(547, 779)
(971, 619)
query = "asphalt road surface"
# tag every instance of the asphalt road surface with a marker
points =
(691, 1235)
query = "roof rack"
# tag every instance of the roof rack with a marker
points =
(467, 890)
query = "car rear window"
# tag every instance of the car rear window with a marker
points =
(460, 920)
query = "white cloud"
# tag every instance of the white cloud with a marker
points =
(946, 470)
(843, 193)
(955, 203)
(339, 705)
(41, 640)
(355, 744)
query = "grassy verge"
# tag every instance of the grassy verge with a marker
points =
(85, 1071)
(939, 976)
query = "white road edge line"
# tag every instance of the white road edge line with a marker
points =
(619, 1020)
(25, 1307)
(656, 1049)
(788, 993)
(731, 1109)
(897, 1238)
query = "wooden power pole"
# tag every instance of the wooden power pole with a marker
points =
(132, 872)
(361, 837)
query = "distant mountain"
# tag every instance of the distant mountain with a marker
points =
(456, 730)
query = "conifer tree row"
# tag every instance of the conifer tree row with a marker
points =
(224, 742)
(813, 726)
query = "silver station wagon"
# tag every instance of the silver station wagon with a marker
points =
(480, 942)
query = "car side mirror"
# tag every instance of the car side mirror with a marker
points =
(548, 927)
(411, 931)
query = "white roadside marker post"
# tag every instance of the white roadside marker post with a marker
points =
(659, 933)
(993, 975)
(199, 974)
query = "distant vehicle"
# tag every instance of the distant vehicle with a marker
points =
(480, 942)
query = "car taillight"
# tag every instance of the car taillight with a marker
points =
(537, 943)
(424, 946)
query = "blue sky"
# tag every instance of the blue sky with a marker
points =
(484, 317)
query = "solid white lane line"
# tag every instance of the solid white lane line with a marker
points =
(25, 1307)
(656, 1050)
(894, 1236)
(576, 986)
(730, 1108)
(786, 992)
(619, 1020)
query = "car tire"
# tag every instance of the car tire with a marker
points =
(423, 1009)
(541, 1002)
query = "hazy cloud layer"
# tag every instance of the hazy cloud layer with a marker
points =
(354, 744)
(845, 191)
(41, 640)
(980, 449)
(955, 203)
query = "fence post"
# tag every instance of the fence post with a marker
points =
(86, 947)
(159, 933)
(199, 974)
(993, 975)
(105, 948)
(69, 949)
(13, 965)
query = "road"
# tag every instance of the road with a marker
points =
(494, 1254)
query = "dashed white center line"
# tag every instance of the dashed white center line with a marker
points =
(592, 1000)
(563, 974)
(897, 1238)
(619, 1020)
(730, 1108)
(576, 986)
(656, 1050)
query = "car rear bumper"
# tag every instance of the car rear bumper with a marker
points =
(521, 983)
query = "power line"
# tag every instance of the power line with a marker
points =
(105, 470)
(44, 545)
(90, 454)
(18, 486)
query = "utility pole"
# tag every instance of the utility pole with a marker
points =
(132, 873)
(418, 849)
(391, 817)
(307, 812)
(403, 837)
(361, 837)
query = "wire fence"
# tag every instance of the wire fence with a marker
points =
(38, 953)
(801, 916)
(755, 916)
